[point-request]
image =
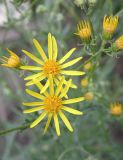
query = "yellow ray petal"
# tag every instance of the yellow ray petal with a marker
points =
(12, 53)
(40, 86)
(33, 76)
(50, 49)
(57, 83)
(40, 50)
(70, 63)
(67, 55)
(32, 68)
(66, 121)
(33, 103)
(56, 122)
(6, 65)
(35, 94)
(48, 122)
(45, 86)
(38, 120)
(55, 48)
(71, 110)
(72, 73)
(34, 81)
(74, 100)
(51, 86)
(34, 109)
(3, 60)
(34, 58)
(59, 87)
(72, 85)
(65, 90)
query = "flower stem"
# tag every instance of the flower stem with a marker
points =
(97, 53)
(20, 128)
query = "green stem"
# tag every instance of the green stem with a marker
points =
(110, 6)
(20, 128)
(120, 13)
(95, 55)
(73, 149)
(7, 10)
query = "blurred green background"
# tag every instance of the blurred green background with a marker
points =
(97, 135)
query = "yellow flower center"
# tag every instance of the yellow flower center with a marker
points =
(52, 103)
(51, 67)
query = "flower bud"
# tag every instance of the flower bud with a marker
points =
(109, 26)
(12, 62)
(118, 44)
(84, 82)
(89, 96)
(84, 31)
(116, 109)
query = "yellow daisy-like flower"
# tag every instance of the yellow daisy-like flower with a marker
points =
(84, 31)
(118, 44)
(50, 65)
(52, 104)
(116, 109)
(109, 26)
(12, 62)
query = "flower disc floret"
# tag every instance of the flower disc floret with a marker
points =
(51, 67)
(53, 104)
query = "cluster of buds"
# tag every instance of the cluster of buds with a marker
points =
(86, 33)
(85, 83)
(109, 26)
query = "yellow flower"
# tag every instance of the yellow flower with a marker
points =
(12, 62)
(118, 44)
(88, 66)
(116, 109)
(109, 26)
(50, 65)
(89, 96)
(52, 104)
(84, 82)
(84, 31)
